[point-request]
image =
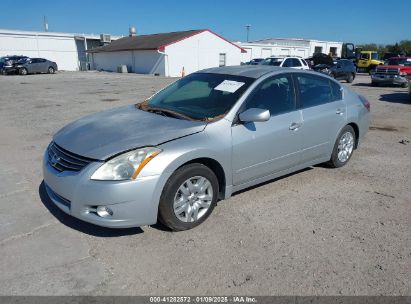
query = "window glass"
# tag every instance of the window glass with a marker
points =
(314, 90)
(365, 56)
(288, 62)
(275, 94)
(201, 95)
(336, 91)
(295, 62)
(304, 62)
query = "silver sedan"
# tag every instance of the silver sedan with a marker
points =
(199, 140)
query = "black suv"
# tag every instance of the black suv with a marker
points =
(342, 69)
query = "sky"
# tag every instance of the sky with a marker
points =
(364, 21)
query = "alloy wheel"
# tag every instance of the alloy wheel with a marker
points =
(345, 146)
(193, 199)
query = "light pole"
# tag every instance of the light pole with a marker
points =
(247, 27)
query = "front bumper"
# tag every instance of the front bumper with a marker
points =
(134, 203)
(388, 79)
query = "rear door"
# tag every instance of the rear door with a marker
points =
(42, 65)
(263, 148)
(323, 114)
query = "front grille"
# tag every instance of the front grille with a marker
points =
(389, 71)
(63, 160)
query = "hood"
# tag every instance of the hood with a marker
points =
(111, 132)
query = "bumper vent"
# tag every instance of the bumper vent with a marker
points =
(63, 160)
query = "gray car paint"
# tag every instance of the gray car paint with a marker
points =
(247, 154)
(107, 133)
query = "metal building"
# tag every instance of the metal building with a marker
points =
(289, 47)
(66, 49)
(169, 54)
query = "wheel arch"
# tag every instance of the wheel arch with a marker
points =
(356, 131)
(214, 166)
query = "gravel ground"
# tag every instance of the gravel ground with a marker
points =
(317, 232)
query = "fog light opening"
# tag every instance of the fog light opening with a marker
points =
(104, 211)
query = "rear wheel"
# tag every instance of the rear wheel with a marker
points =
(23, 71)
(350, 78)
(188, 197)
(343, 148)
(50, 70)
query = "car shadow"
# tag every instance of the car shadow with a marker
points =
(362, 84)
(272, 181)
(79, 225)
(399, 97)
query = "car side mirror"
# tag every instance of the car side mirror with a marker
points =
(254, 115)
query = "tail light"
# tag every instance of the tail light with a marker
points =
(365, 102)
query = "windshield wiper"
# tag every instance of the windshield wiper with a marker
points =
(168, 112)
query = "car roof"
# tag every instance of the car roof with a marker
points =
(253, 71)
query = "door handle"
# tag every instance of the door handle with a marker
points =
(339, 112)
(294, 126)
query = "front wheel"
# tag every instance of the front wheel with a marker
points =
(23, 71)
(343, 148)
(188, 197)
(50, 70)
(350, 78)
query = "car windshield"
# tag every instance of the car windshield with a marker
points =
(272, 61)
(199, 96)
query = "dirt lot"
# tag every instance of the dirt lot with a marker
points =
(317, 232)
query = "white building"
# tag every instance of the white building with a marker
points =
(168, 54)
(66, 49)
(291, 46)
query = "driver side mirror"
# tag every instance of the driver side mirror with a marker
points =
(255, 115)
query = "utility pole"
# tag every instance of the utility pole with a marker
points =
(247, 27)
(46, 25)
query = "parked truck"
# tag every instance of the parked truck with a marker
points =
(368, 61)
(396, 72)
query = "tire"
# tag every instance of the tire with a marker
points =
(374, 84)
(172, 211)
(23, 71)
(50, 70)
(346, 142)
(350, 78)
(404, 85)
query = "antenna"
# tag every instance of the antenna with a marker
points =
(248, 27)
(46, 25)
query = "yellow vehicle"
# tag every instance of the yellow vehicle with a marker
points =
(368, 61)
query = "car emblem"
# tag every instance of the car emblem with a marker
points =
(54, 160)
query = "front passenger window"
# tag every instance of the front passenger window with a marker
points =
(275, 94)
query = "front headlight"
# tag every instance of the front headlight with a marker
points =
(126, 166)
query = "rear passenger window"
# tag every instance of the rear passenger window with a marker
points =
(336, 91)
(275, 94)
(314, 90)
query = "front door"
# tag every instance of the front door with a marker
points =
(263, 148)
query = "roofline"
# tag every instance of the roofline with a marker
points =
(54, 34)
(162, 48)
